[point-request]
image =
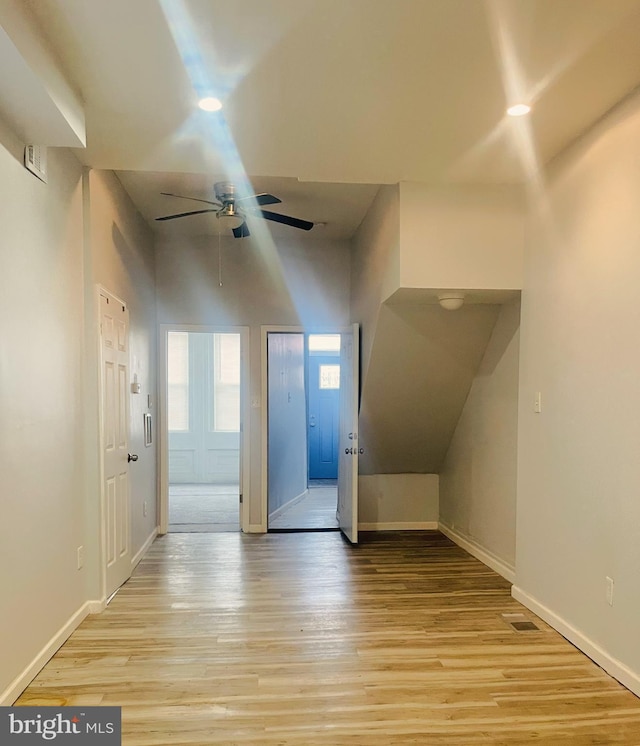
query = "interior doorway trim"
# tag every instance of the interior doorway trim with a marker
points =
(265, 330)
(245, 439)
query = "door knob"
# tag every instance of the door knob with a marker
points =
(348, 450)
(360, 450)
(131, 457)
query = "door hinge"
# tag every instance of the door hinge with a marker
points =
(241, 498)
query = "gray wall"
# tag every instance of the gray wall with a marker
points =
(56, 241)
(287, 419)
(478, 478)
(123, 262)
(41, 428)
(578, 511)
(375, 267)
(422, 366)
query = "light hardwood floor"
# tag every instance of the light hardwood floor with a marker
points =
(317, 509)
(302, 640)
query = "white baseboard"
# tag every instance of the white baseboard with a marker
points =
(144, 548)
(97, 607)
(611, 665)
(22, 681)
(289, 504)
(399, 526)
(507, 571)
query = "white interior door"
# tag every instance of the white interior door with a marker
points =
(114, 332)
(348, 442)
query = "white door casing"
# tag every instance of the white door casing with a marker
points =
(349, 445)
(243, 437)
(114, 419)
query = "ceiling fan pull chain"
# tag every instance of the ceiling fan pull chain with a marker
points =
(219, 259)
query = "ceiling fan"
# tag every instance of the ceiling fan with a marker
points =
(232, 211)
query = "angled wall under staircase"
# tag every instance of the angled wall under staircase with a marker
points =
(419, 361)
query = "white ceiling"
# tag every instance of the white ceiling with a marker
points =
(337, 91)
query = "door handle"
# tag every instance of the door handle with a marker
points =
(131, 457)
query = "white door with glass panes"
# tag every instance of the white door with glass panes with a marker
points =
(203, 407)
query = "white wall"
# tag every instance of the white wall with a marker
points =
(41, 424)
(578, 511)
(461, 237)
(293, 284)
(478, 478)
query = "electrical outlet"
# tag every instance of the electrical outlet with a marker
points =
(144, 508)
(609, 582)
(80, 558)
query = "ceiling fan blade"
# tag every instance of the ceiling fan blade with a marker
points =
(242, 231)
(261, 199)
(195, 199)
(304, 225)
(185, 214)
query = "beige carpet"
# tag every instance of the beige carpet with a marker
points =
(206, 508)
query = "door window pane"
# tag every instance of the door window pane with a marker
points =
(324, 343)
(178, 381)
(329, 376)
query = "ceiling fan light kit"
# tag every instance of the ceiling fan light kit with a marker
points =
(229, 218)
(233, 216)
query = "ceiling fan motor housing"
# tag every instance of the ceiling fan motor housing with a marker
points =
(225, 192)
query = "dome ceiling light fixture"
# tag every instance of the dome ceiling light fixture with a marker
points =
(451, 300)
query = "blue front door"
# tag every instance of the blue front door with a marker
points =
(324, 413)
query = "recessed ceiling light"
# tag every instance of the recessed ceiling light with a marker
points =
(210, 104)
(518, 110)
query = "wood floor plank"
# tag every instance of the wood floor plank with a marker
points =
(303, 640)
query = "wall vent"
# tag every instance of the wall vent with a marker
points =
(35, 160)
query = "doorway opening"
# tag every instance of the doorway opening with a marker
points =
(303, 403)
(203, 426)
